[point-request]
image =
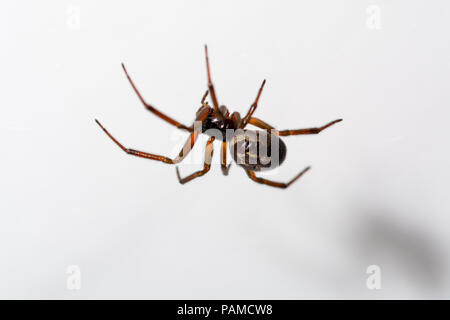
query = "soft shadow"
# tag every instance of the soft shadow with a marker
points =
(407, 248)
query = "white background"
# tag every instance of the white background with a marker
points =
(377, 192)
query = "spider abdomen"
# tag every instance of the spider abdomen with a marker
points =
(257, 150)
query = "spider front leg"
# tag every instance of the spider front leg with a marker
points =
(183, 153)
(253, 107)
(201, 116)
(206, 166)
(281, 185)
(155, 111)
(212, 91)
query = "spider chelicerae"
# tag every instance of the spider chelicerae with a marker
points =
(254, 150)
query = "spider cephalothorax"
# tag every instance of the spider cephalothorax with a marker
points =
(254, 150)
(213, 122)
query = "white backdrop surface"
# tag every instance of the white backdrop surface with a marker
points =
(377, 193)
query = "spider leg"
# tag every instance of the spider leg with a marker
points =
(260, 124)
(281, 185)
(252, 107)
(223, 157)
(308, 130)
(204, 97)
(211, 88)
(187, 147)
(152, 109)
(207, 164)
(263, 125)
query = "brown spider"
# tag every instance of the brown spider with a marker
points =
(245, 145)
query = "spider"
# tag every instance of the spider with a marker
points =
(218, 118)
